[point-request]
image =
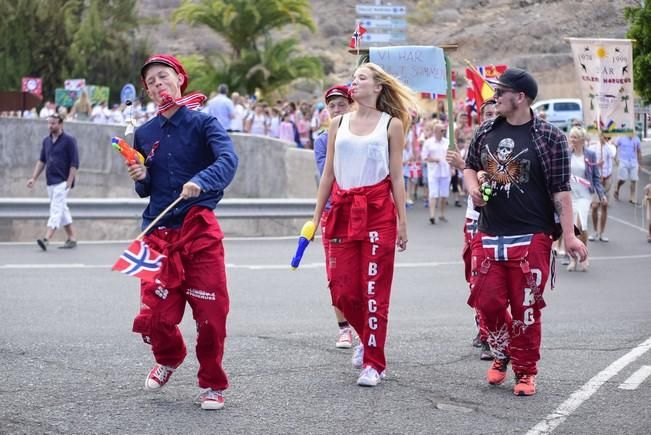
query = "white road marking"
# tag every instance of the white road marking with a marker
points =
(549, 423)
(628, 224)
(636, 378)
(126, 242)
(412, 265)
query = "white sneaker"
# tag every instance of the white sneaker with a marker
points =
(594, 236)
(369, 377)
(158, 377)
(358, 356)
(345, 339)
(211, 400)
(603, 238)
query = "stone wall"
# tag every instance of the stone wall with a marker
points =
(268, 168)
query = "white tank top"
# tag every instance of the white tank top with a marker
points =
(361, 160)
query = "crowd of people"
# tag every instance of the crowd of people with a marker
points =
(526, 185)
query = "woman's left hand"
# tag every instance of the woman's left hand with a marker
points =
(402, 237)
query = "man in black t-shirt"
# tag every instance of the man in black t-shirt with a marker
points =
(525, 161)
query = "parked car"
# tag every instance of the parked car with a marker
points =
(560, 111)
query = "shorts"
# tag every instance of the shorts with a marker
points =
(59, 211)
(628, 171)
(439, 187)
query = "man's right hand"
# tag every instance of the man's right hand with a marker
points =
(30, 183)
(137, 171)
(477, 197)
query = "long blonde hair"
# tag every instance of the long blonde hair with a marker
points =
(395, 98)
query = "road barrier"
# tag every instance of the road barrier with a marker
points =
(131, 208)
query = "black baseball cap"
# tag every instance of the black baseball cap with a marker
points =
(518, 80)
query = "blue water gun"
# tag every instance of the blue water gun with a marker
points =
(307, 234)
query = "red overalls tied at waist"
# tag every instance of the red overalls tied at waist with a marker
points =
(197, 232)
(349, 212)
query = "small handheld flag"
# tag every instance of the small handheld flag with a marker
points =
(356, 39)
(140, 261)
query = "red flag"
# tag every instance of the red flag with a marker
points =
(356, 39)
(140, 261)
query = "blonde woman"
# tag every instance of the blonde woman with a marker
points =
(82, 108)
(586, 183)
(367, 218)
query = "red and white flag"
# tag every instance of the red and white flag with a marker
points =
(140, 261)
(356, 39)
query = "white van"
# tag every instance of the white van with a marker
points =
(560, 111)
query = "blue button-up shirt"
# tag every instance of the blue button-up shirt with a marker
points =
(59, 156)
(189, 146)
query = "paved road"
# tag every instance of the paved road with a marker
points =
(69, 363)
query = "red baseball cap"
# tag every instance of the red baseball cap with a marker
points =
(338, 91)
(167, 60)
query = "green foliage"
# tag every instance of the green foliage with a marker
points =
(257, 62)
(62, 39)
(424, 12)
(640, 30)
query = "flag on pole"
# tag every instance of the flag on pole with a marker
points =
(482, 90)
(140, 261)
(356, 39)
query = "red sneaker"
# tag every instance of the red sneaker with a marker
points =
(211, 400)
(525, 385)
(158, 377)
(497, 373)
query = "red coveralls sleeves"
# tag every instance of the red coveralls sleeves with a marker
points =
(508, 272)
(361, 229)
(194, 271)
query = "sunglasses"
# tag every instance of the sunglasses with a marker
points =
(501, 91)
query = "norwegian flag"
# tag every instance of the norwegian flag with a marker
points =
(140, 261)
(505, 248)
(356, 39)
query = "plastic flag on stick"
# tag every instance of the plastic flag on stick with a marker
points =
(140, 261)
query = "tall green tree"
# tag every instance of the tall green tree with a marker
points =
(61, 39)
(639, 18)
(34, 39)
(257, 60)
(103, 48)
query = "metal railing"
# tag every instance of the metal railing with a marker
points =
(131, 208)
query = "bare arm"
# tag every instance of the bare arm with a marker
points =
(396, 145)
(563, 206)
(328, 176)
(37, 172)
(71, 176)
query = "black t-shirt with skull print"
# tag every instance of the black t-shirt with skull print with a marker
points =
(519, 203)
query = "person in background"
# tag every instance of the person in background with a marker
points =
(605, 152)
(239, 113)
(586, 188)
(60, 159)
(338, 102)
(221, 107)
(82, 108)
(629, 154)
(455, 159)
(438, 170)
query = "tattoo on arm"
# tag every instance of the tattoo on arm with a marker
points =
(558, 205)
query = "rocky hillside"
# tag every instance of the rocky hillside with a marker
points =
(525, 33)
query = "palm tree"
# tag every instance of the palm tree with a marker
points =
(257, 62)
(243, 22)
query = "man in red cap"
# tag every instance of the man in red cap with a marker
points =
(189, 154)
(338, 102)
